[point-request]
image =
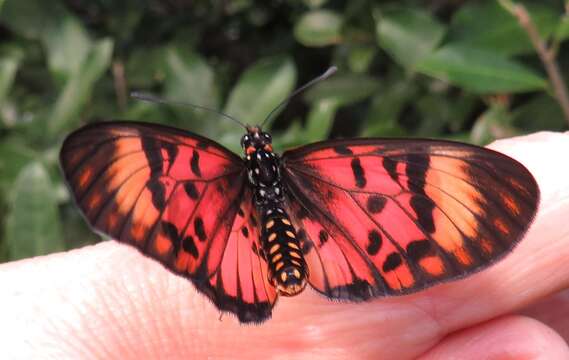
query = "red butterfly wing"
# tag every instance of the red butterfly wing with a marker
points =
(176, 197)
(242, 274)
(388, 216)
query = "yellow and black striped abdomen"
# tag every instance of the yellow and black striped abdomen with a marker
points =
(287, 268)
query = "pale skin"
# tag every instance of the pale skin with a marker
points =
(108, 301)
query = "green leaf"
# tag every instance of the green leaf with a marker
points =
(14, 155)
(540, 113)
(344, 89)
(562, 32)
(318, 28)
(293, 136)
(313, 4)
(260, 89)
(146, 111)
(31, 18)
(124, 20)
(439, 112)
(33, 225)
(386, 106)
(494, 123)
(65, 40)
(189, 78)
(78, 88)
(320, 120)
(480, 71)
(9, 65)
(360, 58)
(146, 66)
(407, 34)
(487, 25)
(67, 45)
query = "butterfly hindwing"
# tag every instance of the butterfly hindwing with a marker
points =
(176, 197)
(242, 275)
(389, 216)
(336, 267)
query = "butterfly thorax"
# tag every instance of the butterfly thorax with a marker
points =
(287, 267)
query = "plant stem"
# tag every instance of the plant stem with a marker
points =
(120, 84)
(546, 55)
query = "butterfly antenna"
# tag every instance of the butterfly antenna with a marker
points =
(156, 99)
(331, 71)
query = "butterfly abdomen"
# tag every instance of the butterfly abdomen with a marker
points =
(287, 267)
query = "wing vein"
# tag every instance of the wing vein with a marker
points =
(377, 276)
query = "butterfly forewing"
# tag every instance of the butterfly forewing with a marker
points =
(176, 197)
(389, 216)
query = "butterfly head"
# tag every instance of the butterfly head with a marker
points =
(256, 139)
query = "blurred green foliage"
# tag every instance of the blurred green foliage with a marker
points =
(454, 69)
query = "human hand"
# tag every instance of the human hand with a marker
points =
(108, 301)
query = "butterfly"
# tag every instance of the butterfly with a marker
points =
(354, 218)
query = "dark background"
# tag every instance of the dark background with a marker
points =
(462, 70)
